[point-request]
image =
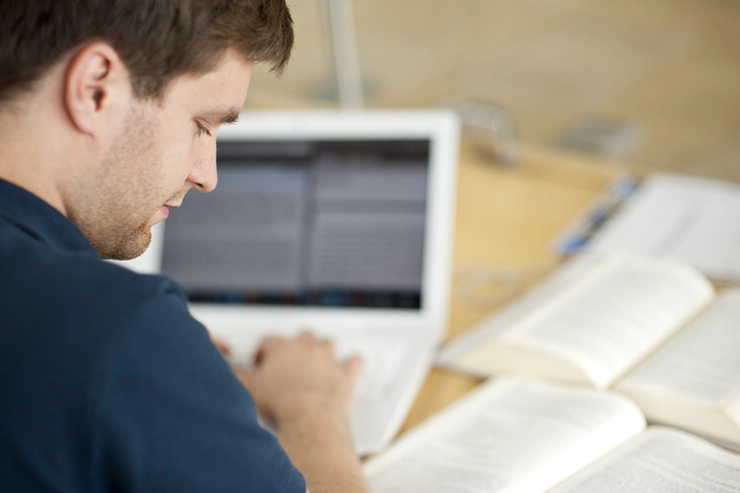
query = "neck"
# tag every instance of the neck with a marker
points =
(35, 149)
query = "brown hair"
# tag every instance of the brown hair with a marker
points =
(158, 40)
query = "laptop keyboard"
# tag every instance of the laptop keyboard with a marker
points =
(381, 357)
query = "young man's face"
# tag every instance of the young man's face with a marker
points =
(165, 150)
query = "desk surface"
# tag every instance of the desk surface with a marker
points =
(506, 218)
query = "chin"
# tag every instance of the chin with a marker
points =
(127, 250)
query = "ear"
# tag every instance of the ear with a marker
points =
(97, 88)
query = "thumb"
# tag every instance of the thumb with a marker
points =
(220, 345)
(253, 384)
(248, 379)
(353, 368)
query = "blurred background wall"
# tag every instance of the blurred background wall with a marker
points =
(665, 73)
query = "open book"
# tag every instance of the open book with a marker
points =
(526, 436)
(653, 329)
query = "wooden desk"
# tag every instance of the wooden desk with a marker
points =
(507, 217)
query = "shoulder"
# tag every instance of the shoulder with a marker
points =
(112, 359)
(43, 280)
(74, 310)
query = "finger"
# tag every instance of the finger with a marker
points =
(271, 341)
(223, 348)
(353, 367)
(247, 379)
(328, 346)
(253, 384)
(306, 337)
(265, 347)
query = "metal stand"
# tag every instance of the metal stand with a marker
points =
(338, 17)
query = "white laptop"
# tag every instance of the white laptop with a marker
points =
(337, 222)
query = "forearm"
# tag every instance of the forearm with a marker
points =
(321, 448)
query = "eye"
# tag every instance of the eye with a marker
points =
(202, 129)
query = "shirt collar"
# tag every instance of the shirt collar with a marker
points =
(40, 220)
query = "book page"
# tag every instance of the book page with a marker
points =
(508, 434)
(468, 352)
(612, 317)
(693, 380)
(702, 361)
(660, 460)
(686, 218)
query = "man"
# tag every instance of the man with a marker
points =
(109, 112)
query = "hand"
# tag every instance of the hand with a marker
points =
(299, 379)
(300, 385)
(223, 348)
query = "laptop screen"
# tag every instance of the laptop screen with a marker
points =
(306, 223)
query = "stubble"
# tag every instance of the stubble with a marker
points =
(124, 192)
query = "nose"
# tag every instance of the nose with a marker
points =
(204, 176)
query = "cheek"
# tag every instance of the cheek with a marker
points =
(178, 160)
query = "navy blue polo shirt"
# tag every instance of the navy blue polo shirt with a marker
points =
(107, 384)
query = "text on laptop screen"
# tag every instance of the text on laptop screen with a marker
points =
(307, 223)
